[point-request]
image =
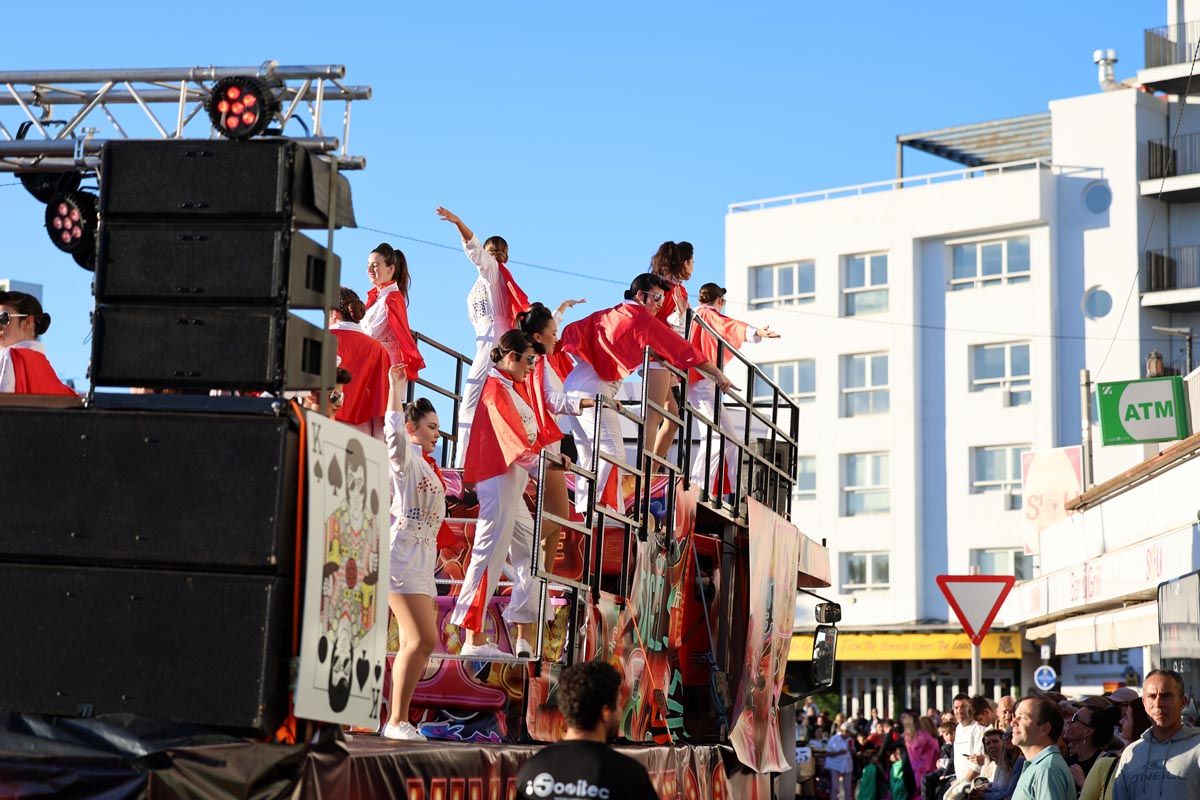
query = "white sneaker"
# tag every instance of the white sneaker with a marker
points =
(523, 649)
(403, 732)
(484, 651)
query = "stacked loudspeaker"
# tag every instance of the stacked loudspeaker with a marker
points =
(147, 553)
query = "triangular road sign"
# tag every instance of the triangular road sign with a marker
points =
(976, 599)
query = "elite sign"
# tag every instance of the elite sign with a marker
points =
(1149, 410)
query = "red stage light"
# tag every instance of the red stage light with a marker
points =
(233, 92)
(71, 222)
(241, 107)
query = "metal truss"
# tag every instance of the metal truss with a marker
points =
(52, 120)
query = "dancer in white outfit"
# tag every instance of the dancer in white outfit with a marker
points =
(418, 509)
(503, 452)
(492, 304)
(702, 392)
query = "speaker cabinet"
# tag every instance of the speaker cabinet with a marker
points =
(272, 180)
(769, 487)
(191, 647)
(249, 349)
(201, 491)
(211, 263)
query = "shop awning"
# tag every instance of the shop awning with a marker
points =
(1135, 626)
(909, 646)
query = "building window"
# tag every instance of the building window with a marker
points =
(797, 379)
(1003, 562)
(866, 486)
(806, 478)
(865, 384)
(783, 284)
(865, 571)
(1004, 366)
(866, 284)
(990, 263)
(998, 469)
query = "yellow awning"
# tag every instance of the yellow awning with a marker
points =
(909, 646)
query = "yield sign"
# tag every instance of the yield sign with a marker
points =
(976, 599)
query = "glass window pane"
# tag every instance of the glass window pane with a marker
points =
(855, 470)
(856, 372)
(989, 464)
(992, 258)
(876, 502)
(762, 282)
(858, 403)
(1019, 353)
(762, 390)
(879, 370)
(786, 282)
(806, 473)
(1015, 466)
(880, 401)
(879, 270)
(963, 257)
(989, 362)
(880, 469)
(989, 562)
(806, 278)
(806, 376)
(867, 302)
(856, 569)
(1022, 566)
(856, 272)
(785, 376)
(1018, 254)
(879, 568)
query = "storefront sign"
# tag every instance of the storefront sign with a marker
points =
(1049, 478)
(1149, 410)
(909, 646)
(1089, 673)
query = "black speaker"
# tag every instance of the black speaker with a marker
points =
(244, 348)
(271, 180)
(193, 647)
(769, 487)
(211, 263)
(201, 491)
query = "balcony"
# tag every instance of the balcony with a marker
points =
(1171, 278)
(1174, 171)
(1169, 53)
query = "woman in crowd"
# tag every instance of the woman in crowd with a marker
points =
(365, 400)
(901, 781)
(839, 760)
(673, 262)
(493, 303)
(504, 446)
(418, 509)
(24, 368)
(549, 402)
(702, 393)
(386, 317)
(922, 748)
(607, 347)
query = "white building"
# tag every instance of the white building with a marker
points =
(936, 327)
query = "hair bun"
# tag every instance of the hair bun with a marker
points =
(42, 322)
(497, 354)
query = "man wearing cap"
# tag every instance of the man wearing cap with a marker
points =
(839, 760)
(1165, 761)
(1036, 727)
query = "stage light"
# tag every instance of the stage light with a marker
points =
(241, 107)
(71, 223)
(44, 185)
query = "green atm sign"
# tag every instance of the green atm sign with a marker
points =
(1150, 410)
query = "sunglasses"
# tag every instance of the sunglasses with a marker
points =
(6, 318)
(656, 297)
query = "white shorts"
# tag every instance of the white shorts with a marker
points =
(412, 564)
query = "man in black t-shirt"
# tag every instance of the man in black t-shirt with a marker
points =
(582, 764)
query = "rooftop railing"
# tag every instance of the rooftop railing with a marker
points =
(1171, 44)
(1174, 268)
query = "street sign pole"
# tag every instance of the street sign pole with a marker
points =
(976, 669)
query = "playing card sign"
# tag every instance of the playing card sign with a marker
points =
(343, 644)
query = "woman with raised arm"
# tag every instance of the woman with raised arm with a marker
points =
(607, 347)
(365, 399)
(492, 306)
(504, 448)
(673, 262)
(549, 402)
(24, 368)
(418, 509)
(386, 317)
(702, 393)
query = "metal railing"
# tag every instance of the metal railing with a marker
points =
(461, 366)
(1175, 268)
(1182, 159)
(1171, 44)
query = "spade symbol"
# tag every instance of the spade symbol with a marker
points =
(378, 671)
(322, 649)
(363, 670)
(335, 474)
(374, 502)
(320, 473)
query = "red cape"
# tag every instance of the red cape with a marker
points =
(613, 341)
(367, 362)
(731, 330)
(548, 430)
(397, 312)
(669, 301)
(514, 298)
(34, 375)
(497, 434)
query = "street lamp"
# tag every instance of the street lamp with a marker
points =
(1154, 364)
(1186, 333)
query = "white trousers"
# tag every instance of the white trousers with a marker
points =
(702, 395)
(584, 381)
(472, 390)
(504, 530)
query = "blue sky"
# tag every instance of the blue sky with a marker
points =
(587, 135)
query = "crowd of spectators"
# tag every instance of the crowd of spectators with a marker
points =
(1123, 745)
